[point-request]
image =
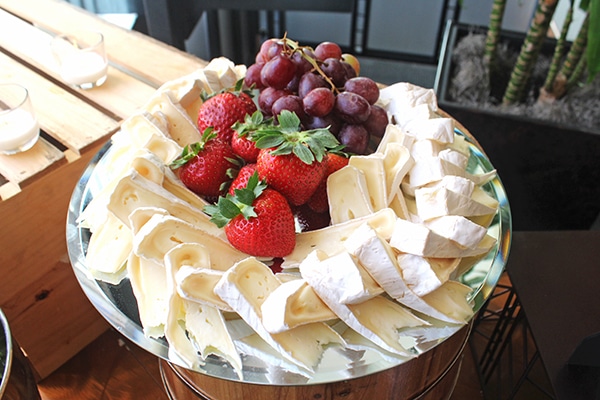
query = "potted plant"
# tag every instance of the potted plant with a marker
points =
(548, 164)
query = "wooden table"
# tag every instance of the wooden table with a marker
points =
(555, 275)
(50, 317)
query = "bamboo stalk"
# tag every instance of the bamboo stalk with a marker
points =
(494, 28)
(559, 50)
(529, 51)
(575, 54)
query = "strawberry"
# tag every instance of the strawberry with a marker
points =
(257, 220)
(223, 110)
(318, 201)
(206, 167)
(291, 160)
(241, 140)
(241, 180)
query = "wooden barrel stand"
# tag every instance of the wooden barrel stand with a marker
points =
(431, 376)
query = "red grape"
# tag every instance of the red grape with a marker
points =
(366, 87)
(355, 138)
(253, 76)
(268, 96)
(329, 120)
(352, 108)
(310, 81)
(278, 72)
(318, 102)
(377, 122)
(333, 68)
(327, 50)
(291, 103)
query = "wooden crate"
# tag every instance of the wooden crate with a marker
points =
(50, 316)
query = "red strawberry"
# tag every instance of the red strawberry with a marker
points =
(291, 161)
(291, 176)
(241, 140)
(241, 180)
(257, 220)
(318, 202)
(223, 110)
(205, 167)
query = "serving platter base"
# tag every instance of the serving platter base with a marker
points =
(431, 376)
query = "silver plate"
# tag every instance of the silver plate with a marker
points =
(117, 304)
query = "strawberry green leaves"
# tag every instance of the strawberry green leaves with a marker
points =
(231, 206)
(288, 138)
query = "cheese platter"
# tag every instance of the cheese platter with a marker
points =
(419, 234)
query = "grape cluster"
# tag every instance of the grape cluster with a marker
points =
(322, 87)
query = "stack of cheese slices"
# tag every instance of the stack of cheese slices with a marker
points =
(407, 221)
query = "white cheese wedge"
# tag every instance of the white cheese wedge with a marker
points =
(331, 238)
(454, 157)
(149, 166)
(149, 284)
(222, 73)
(161, 233)
(438, 129)
(108, 250)
(451, 298)
(378, 258)
(198, 285)
(345, 279)
(397, 161)
(292, 304)
(207, 330)
(373, 168)
(182, 129)
(133, 191)
(348, 195)
(426, 148)
(458, 229)
(377, 319)
(414, 238)
(404, 99)
(246, 286)
(393, 134)
(439, 202)
(140, 127)
(399, 204)
(424, 275)
(193, 327)
(186, 91)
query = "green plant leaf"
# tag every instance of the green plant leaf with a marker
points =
(593, 42)
(268, 140)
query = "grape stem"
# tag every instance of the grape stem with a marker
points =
(295, 47)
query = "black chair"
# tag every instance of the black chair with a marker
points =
(172, 21)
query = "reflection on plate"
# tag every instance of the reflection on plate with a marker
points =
(261, 364)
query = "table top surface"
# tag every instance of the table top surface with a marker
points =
(73, 121)
(555, 275)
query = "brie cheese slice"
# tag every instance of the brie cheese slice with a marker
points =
(246, 286)
(377, 319)
(348, 195)
(292, 304)
(198, 285)
(373, 168)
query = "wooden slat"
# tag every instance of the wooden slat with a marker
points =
(23, 168)
(148, 58)
(32, 45)
(73, 122)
